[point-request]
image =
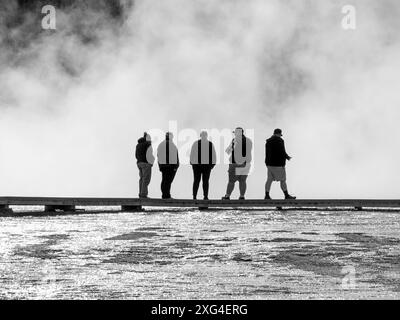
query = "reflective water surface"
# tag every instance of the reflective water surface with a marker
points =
(191, 254)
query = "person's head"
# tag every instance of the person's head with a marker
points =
(239, 132)
(147, 136)
(204, 135)
(278, 132)
(169, 136)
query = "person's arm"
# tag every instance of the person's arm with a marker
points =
(161, 153)
(284, 151)
(136, 153)
(249, 151)
(213, 155)
(193, 154)
(230, 147)
(266, 152)
(149, 155)
(158, 157)
(177, 157)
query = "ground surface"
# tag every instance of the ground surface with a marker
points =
(187, 254)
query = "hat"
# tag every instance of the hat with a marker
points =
(168, 135)
(238, 128)
(278, 131)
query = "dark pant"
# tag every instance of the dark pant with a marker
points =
(145, 177)
(168, 175)
(201, 172)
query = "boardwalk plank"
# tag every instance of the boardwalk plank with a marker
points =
(186, 203)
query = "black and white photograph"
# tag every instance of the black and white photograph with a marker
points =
(222, 151)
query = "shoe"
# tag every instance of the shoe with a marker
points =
(288, 196)
(143, 197)
(241, 198)
(226, 198)
(166, 197)
(267, 197)
(194, 198)
(205, 198)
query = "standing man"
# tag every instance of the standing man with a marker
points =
(145, 160)
(275, 160)
(240, 157)
(203, 159)
(168, 162)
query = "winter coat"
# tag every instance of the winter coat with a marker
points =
(275, 153)
(144, 151)
(240, 151)
(203, 153)
(167, 154)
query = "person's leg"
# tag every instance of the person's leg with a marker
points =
(268, 184)
(229, 188)
(166, 182)
(163, 177)
(231, 183)
(146, 179)
(167, 185)
(242, 185)
(206, 178)
(140, 179)
(287, 195)
(283, 185)
(196, 180)
(171, 176)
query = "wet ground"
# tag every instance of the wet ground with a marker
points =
(190, 254)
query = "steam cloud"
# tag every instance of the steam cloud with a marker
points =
(74, 101)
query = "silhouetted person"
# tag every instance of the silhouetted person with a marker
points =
(239, 167)
(275, 160)
(203, 159)
(145, 160)
(168, 162)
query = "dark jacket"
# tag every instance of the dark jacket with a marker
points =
(275, 153)
(144, 151)
(203, 153)
(167, 154)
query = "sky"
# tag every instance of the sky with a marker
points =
(74, 101)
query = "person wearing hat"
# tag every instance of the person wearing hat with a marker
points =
(203, 159)
(168, 163)
(145, 160)
(240, 158)
(275, 160)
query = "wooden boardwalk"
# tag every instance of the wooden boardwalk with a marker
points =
(52, 204)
